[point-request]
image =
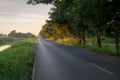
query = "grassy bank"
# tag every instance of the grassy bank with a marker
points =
(106, 50)
(16, 62)
(108, 47)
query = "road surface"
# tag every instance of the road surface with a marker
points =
(58, 62)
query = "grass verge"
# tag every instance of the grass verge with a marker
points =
(16, 62)
(106, 49)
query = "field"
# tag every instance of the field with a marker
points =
(16, 62)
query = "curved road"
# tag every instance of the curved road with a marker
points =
(58, 62)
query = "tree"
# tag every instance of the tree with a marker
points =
(12, 33)
(79, 10)
(115, 28)
(34, 2)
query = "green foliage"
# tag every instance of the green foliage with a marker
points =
(16, 62)
(55, 30)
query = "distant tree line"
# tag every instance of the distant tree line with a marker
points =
(20, 35)
(2, 35)
(82, 18)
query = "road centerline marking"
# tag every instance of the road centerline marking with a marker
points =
(98, 67)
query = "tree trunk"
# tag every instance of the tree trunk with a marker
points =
(83, 38)
(117, 43)
(98, 39)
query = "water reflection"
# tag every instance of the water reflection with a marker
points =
(2, 48)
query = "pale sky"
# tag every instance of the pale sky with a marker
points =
(19, 16)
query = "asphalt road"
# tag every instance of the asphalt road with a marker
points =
(58, 62)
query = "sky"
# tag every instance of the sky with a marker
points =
(19, 16)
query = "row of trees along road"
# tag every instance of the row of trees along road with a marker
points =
(76, 18)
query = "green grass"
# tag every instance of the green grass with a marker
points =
(16, 62)
(108, 46)
(106, 50)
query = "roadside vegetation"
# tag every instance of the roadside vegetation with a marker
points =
(91, 24)
(108, 47)
(16, 62)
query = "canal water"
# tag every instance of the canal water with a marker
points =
(2, 48)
